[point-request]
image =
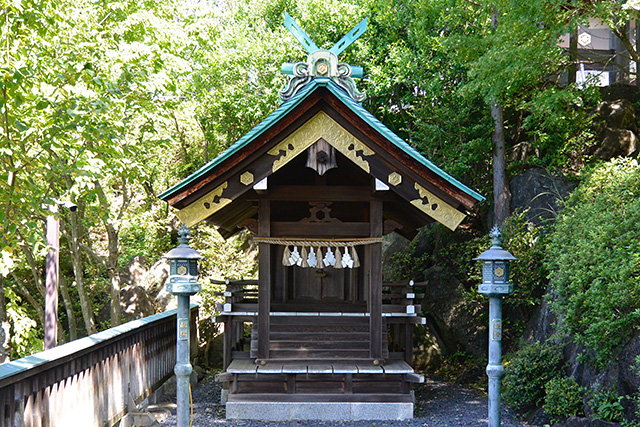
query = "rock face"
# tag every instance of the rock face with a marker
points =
(618, 114)
(143, 289)
(618, 376)
(451, 325)
(618, 122)
(539, 192)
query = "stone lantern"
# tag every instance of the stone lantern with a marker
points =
(495, 284)
(183, 282)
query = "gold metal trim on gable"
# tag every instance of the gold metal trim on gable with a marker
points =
(394, 179)
(321, 126)
(246, 178)
(437, 208)
(205, 206)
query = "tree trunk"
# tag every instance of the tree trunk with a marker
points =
(5, 331)
(113, 270)
(68, 305)
(111, 263)
(24, 292)
(501, 193)
(573, 56)
(78, 272)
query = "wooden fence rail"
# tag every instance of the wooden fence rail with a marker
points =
(88, 382)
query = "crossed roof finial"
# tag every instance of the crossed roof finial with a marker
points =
(322, 63)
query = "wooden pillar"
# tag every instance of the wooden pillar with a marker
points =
(375, 281)
(227, 344)
(264, 279)
(408, 343)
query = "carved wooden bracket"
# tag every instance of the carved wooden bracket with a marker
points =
(391, 225)
(319, 212)
(250, 224)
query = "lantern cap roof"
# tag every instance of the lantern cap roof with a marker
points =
(496, 252)
(183, 251)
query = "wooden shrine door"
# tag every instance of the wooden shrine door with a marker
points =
(313, 289)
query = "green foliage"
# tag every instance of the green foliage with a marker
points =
(560, 124)
(563, 398)
(635, 399)
(528, 274)
(234, 258)
(413, 80)
(607, 406)
(594, 259)
(527, 372)
(26, 339)
(238, 54)
(144, 234)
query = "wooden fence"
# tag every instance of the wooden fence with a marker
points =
(90, 381)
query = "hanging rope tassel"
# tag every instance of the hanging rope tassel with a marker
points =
(354, 256)
(286, 257)
(319, 258)
(338, 263)
(304, 254)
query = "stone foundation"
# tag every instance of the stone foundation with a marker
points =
(273, 411)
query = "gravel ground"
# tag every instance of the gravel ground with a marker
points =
(438, 404)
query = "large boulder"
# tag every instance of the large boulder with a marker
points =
(452, 320)
(136, 304)
(539, 192)
(393, 244)
(616, 142)
(134, 297)
(619, 375)
(618, 114)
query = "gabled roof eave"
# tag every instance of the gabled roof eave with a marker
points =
(290, 105)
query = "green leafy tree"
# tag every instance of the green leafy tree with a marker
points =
(83, 85)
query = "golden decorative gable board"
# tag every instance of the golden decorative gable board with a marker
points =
(204, 206)
(437, 208)
(321, 126)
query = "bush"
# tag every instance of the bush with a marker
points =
(606, 406)
(527, 372)
(594, 259)
(563, 398)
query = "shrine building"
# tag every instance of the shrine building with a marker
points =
(319, 183)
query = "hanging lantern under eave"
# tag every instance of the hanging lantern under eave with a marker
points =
(183, 267)
(495, 268)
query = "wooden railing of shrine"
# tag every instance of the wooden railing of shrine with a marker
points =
(240, 306)
(242, 297)
(92, 381)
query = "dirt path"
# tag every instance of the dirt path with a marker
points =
(438, 404)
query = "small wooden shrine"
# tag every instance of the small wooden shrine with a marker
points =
(319, 183)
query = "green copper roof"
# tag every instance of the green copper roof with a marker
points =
(291, 104)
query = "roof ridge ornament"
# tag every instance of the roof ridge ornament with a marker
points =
(322, 63)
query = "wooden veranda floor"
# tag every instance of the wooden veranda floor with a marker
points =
(247, 366)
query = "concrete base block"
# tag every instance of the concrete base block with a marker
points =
(381, 411)
(272, 411)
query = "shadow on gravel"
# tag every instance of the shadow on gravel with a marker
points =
(438, 404)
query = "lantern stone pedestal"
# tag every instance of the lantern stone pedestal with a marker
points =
(183, 282)
(495, 285)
